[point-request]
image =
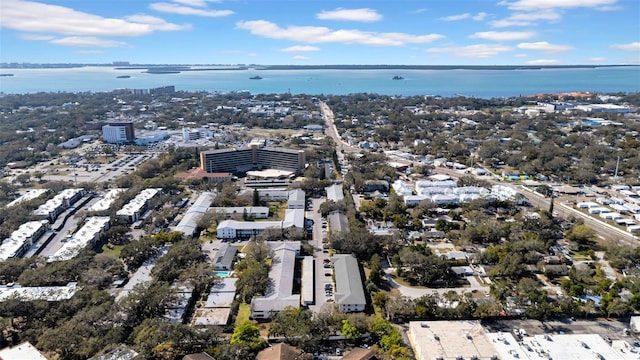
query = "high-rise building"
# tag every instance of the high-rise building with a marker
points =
(118, 132)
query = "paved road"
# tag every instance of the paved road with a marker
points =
(319, 257)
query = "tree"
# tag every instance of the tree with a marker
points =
(582, 235)
(247, 334)
(294, 324)
(349, 331)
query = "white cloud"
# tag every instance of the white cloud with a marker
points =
(520, 55)
(300, 57)
(361, 15)
(37, 17)
(156, 23)
(418, 11)
(543, 62)
(318, 34)
(300, 48)
(187, 10)
(528, 5)
(526, 19)
(456, 17)
(597, 59)
(479, 16)
(503, 35)
(89, 52)
(473, 51)
(634, 46)
(196, 3)
(36, 37)
(87, 41)
(544, 46)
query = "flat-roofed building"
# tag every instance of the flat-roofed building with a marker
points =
(59, 203)
(279, 294)
(24, 351)
(349, 294)
(88, 234)
(217, 309)
(106, 201)
(450, 340)
(132, 211)
(252, 158)
(21, 240)
(31, 293)
(28, 195)
(189, 222)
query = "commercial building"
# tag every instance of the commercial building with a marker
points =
(21, 240)
(59, 203)
(118, 133)
(132, 211)
(188, 224)
(349, 293)
(279, 294)
(106, 201)
(252, 158)
(28, 195)
(451, 340)
(88, 234)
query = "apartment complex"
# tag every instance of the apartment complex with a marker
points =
(349, 290)
(279, 294)
(251, 158)
(118, 133)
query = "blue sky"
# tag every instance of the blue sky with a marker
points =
(308, 32)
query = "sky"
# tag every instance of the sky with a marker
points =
(321, 32)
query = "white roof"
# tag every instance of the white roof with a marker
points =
(334, 192)
(28, 195)
(106, 201)
(138, 202)
(189, 221)
(92, 227)
(292, 218)
(57, 201)
(279, 293)
(18, 238)
(22, 351)
(48, 293)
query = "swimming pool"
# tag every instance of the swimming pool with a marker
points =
(223, 273)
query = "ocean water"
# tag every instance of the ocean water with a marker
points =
(476, 83)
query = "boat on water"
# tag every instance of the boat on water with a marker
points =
(256, 77)
(123, 76)
(397, 78)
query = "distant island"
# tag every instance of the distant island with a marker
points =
(256, 77)
(6, 74)
(397, 78)
(123, 76)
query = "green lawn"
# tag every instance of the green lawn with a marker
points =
(115, 251)
(244, 311)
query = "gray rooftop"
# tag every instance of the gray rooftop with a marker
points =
(349, 288)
